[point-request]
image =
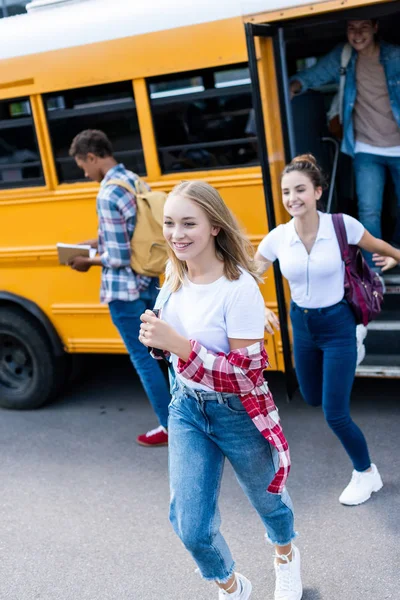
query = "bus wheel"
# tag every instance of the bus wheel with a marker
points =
(30, 375)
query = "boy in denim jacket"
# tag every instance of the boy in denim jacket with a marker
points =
(371, 115)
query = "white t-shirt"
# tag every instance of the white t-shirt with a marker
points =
(212, 313)
(378, 151)
(316, 280)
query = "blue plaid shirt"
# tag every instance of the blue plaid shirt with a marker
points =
(116, 211)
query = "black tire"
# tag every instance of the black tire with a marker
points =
(30, 374)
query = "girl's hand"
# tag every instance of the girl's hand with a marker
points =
(271, 321)
(155, 333)
(385, 262)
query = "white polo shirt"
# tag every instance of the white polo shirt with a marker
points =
(316, 280)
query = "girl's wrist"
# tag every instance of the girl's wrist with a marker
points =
(181, 347)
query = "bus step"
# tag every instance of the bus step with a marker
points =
(389, 321)
(383, 337)
(380, 365)
(392, 283)
(391, 302)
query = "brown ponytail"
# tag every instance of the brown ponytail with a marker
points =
(307, 164)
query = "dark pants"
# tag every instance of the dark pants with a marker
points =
(370, 173)
(325, 352)
(126, 318)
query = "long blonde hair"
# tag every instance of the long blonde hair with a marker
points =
(231, 245)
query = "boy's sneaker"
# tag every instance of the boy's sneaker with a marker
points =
(288, 584)
(155, 437)
(242, 592)
(361, 487)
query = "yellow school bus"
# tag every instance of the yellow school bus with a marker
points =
(188, 90)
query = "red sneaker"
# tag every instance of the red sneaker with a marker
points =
(154, 438)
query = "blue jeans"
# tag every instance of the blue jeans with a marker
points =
(370, 175)
(126, 318)
(325, 353)
(204, 429)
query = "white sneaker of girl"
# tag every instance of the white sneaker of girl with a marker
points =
(288, 584)
(242, 592)
(361, 334)
(361, 486)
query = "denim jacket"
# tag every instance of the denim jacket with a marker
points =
(327, 70)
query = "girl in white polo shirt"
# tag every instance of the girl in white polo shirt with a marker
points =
(324, 327)
(212, 325)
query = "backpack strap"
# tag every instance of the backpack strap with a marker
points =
(140, 186)
(163, 297)
(122, 183)
(344, 61)
(341, 234)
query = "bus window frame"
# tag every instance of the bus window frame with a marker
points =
(207, 93)
(83, 183)
(146, 128)
(142, 103)
(141, 97)
(15, 190)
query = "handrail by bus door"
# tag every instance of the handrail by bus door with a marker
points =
(284, 95)
(252, 31)
(332, 180)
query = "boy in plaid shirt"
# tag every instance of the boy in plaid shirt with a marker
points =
(126, 293)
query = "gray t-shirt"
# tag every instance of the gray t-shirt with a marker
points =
(374, 122)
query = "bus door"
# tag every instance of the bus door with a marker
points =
(297, 44)
(273, 34)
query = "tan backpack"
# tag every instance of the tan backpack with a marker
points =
(149, 248)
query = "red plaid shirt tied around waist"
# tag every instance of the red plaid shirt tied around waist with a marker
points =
(241, 372)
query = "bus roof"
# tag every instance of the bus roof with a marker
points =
(77, 23)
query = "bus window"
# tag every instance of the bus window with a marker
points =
(204, 119)
(109, 107)
(20, 164)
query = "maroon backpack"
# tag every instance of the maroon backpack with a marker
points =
(363, 288)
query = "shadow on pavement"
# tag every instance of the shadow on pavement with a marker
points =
(311, 594)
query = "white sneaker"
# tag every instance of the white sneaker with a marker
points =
(361, 334)
(288, 584)
(243, 591)
(360, 354)
(361, 487)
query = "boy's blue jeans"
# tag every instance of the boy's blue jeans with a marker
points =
(325, 354)
(205, 428)
(126, 318)
(370, 173)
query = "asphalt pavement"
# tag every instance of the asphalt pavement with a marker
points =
(84, 510)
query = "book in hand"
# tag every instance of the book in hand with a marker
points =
(67, 252)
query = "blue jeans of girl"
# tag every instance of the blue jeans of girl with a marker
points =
(325, 353)
(204, 429)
